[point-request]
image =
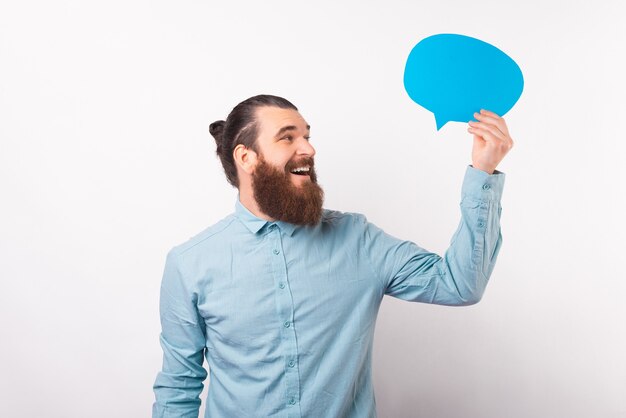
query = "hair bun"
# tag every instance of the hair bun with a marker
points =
(216, 129)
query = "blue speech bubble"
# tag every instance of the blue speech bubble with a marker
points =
(454, 76)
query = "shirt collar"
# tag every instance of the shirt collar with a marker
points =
(254, 223)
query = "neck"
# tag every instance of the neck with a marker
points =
(247, 200)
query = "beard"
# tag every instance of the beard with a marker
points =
(282, 200)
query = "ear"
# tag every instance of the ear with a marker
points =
(245, 158)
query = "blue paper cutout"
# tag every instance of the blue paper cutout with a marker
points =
(454, 76)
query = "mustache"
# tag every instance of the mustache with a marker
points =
(299, 163)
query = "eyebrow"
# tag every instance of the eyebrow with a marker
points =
(289, 128)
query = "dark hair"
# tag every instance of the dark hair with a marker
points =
(241, 127)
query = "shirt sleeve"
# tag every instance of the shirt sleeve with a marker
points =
(459, 277)
(178, 385)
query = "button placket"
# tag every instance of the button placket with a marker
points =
(284, 307)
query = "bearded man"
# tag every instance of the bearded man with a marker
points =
(281, 296)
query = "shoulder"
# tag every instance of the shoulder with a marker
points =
(209, 236)
(335, 218)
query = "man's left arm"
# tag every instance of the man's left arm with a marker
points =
(461, 275)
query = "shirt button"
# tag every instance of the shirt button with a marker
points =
(276, 251)
(486, 187)
(287, 324)
(292, 401)
(292, 363)
(481, 224)
(281, 285)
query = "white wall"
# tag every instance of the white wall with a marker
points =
(106, 163)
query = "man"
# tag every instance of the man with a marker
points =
(281, 296)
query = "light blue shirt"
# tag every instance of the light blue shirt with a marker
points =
(285, 314)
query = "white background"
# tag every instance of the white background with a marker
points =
(106, 163)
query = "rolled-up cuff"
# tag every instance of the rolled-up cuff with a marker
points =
(480, 185)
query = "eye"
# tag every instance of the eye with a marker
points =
(308, 138)
(287, 137)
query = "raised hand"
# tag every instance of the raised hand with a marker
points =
(492, 140)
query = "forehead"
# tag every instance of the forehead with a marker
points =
(272, 119)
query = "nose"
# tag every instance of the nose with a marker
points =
(305, 148)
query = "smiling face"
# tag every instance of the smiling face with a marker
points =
(283, 180)
(283, 141)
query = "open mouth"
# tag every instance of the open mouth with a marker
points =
(301, 171)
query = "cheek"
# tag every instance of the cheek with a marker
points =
(278, 160)
(278, 154)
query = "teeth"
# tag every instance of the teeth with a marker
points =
(300, 169)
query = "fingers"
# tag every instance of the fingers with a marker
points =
(491, 140)
(482, 129)
(490, 117)
(484, 134)
(490, 134)
(493, 123)
(489, 113)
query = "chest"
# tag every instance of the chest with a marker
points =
(315, 287)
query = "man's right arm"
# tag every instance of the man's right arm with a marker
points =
(178, 386)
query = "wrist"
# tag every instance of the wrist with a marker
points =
(487, 170)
